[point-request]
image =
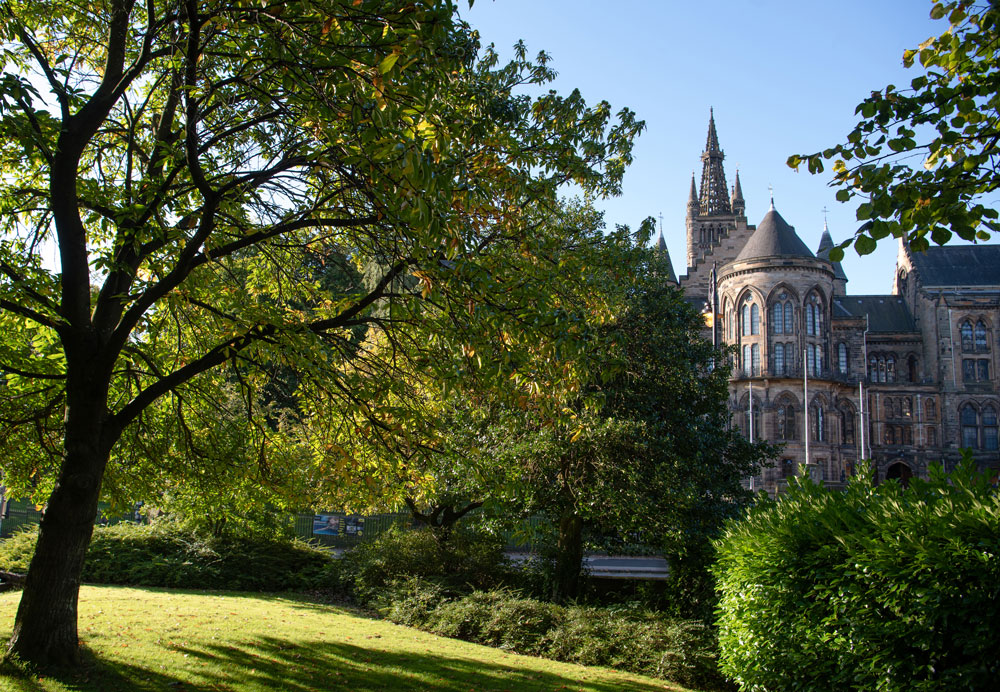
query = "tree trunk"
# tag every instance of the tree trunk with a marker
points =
(569, 557)
(45, 629)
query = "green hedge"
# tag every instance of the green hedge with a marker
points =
(167, 554)
(876, 588)
(625, 638)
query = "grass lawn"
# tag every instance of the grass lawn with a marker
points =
(158, 639)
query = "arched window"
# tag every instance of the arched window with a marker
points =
(785, 420)
(847, 425)
(890, 368)
(810, 321)
(818, 424)
(746, 359)
(888, 409)
(789, 325)
(907, 407)
(842, 358)
(970, 430)
(873, 369)
(746, 319)
(930, 409)
(966, 331)
(754, 319)
(779, 359)
(755, 359)
(981, 337)
(931, 436)
(990, 428)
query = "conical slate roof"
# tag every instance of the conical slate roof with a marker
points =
(823, 252)
(774, 238)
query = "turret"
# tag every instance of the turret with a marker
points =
(738, 205)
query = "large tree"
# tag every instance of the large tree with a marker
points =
(648, 452)
(924, 159)
(191, 162)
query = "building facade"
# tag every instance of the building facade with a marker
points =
(904, 379)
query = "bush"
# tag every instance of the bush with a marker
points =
(465, 562)
(877, 588)
(630, 639)
(166, 554)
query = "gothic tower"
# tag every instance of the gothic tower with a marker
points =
(716, 222)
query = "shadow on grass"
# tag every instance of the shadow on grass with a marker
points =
(280, 664)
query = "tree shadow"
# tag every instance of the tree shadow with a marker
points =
(272, 663)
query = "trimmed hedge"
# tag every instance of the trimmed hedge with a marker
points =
(167, 554)
(876, 588)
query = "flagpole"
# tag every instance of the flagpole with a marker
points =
(805, 392)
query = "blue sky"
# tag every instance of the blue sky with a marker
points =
(783, 77)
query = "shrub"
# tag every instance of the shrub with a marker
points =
(465, 562)
(166, 554)
(498, 618)
(876, 588)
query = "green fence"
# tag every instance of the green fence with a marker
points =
(22, 514)
(341, 530)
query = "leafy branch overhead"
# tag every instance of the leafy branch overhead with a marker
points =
(925, 158)
(241, 194)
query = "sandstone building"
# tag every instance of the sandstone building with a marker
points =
(904, 379)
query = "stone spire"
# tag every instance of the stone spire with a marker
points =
(739, 206)
(693, 203)
(714, 197)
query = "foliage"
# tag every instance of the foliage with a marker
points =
(657, 462)
(168, 554)
(195, 165)
(944, 122)
(623, 638)
(466, 561)
(876, 588)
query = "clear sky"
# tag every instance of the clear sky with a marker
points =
(783, 77)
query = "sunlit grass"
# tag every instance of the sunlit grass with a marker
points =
(157, 639)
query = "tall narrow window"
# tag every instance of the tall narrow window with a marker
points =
(966, 331)
(990, 429)
(746, 319)
(970, 430)
(785, 421)
(779, 359)
(746, 359)
(788, 318)
(754, 319)
(930, 409)
(873, 369)
(818, 424)
(847, 426)
(881, 369)
(890, 369)
(980, 336)
(968, 370)
(983, 370)
(810, 321)
(777, 323)
(931, 436)
(755, 359)
(842, 358)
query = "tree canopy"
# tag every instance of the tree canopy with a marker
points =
(923, 158)
(192, 163)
